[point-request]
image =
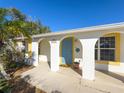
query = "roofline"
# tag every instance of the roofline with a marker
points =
(79, 30)
(85, 29)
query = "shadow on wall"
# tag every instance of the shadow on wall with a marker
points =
(44, 58)
(44, 51)
(101, 67)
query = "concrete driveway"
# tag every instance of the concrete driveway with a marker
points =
(68, 81)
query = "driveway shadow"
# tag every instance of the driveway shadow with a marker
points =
(77, 70)
(22, 86)
(114, 75)
(56, 91)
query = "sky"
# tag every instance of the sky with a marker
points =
(62, 15)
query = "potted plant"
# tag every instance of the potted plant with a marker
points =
(76, 65)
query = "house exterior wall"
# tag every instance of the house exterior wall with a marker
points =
(122, 49)
(78, 54)
(88, 40)
(20, 46)
(114, 66)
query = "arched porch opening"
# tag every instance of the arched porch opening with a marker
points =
(44, 51)
(71, 53)
(67, 51)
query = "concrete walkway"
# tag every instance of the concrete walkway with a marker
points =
(68, 81)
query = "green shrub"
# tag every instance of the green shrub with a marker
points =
(4, 85)
(13, 65)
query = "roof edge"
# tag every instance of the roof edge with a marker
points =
(78, 30)
(85, 29)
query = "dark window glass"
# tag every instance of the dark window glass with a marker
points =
(107, 54)
(96, 45)
(23, 43)
(96, 54)
(107, 42)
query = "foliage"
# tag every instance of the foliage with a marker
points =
(13, 23)
(12, 59)
(4, 85)
(40, 28)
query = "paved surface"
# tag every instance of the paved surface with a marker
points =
(68, 81)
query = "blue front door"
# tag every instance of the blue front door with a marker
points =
(67, 51)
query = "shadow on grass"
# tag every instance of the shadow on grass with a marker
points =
(22, 86)
(114, 75)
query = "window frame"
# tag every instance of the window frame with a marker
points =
(117, 50)
(99, 50)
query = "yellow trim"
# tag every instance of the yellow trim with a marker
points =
(72, 49)
(61, 52)
(30, 48)
(117, 53)
(117, 50)
(108, 62)
(109, 35)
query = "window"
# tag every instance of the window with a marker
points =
(105, 49)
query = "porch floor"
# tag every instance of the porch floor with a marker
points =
(66, 80)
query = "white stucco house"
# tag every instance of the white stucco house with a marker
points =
(97, 47)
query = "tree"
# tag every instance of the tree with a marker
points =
(40, 28)
(13, 24)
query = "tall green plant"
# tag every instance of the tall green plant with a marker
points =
(13, 23)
